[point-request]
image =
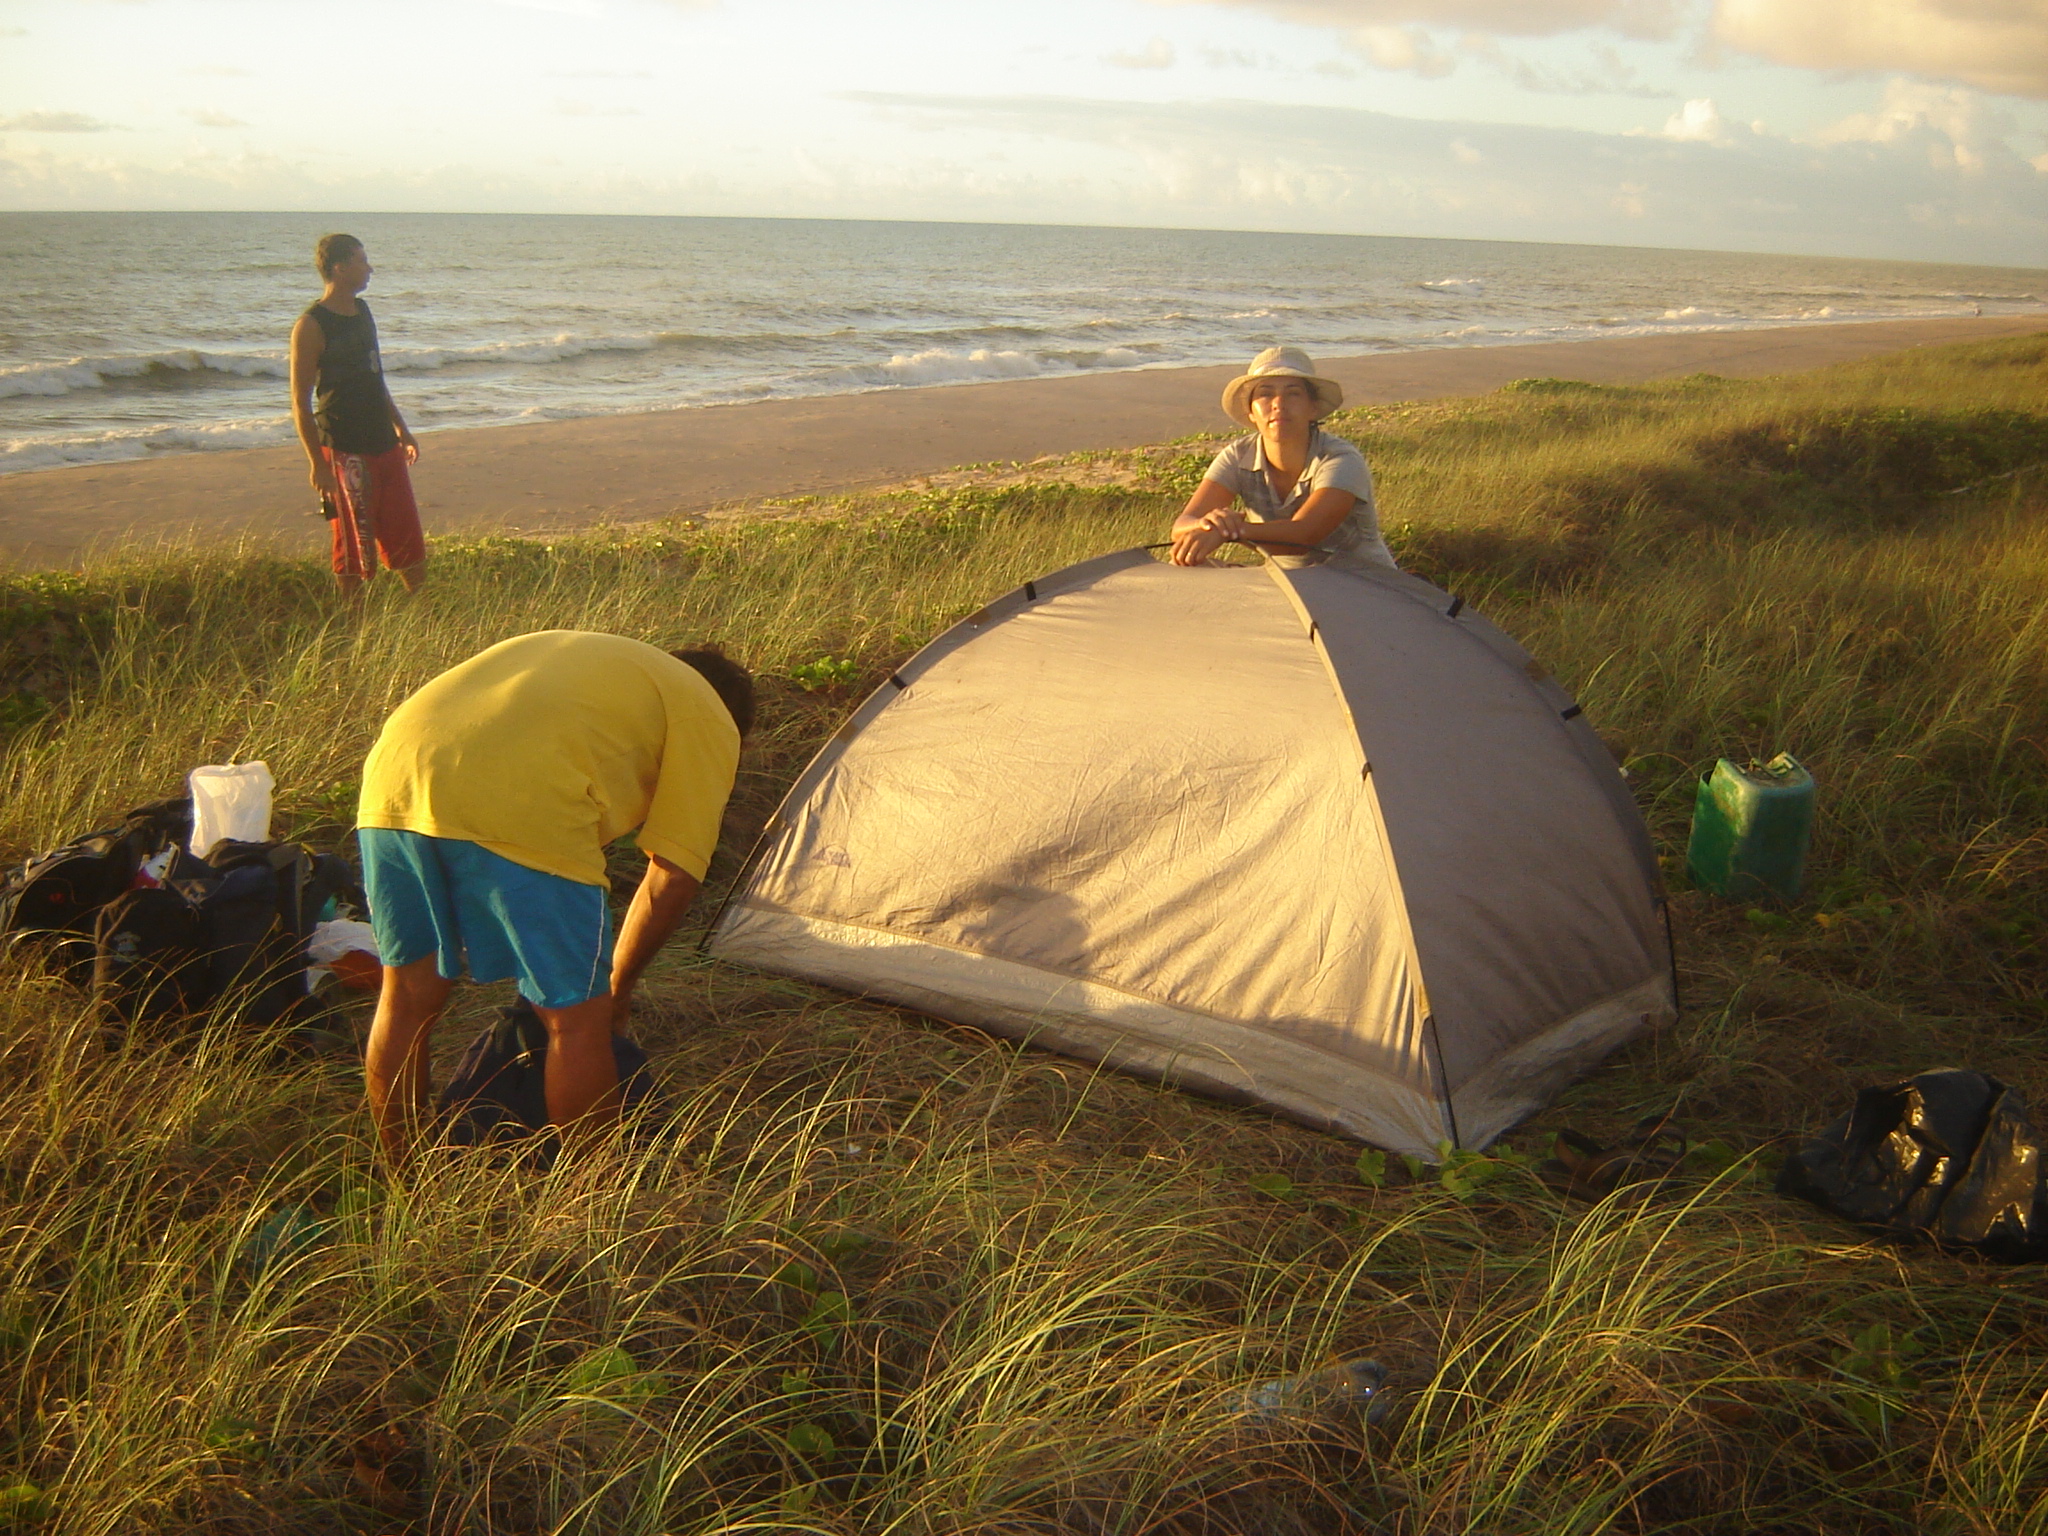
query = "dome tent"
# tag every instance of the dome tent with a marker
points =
(1317, 839)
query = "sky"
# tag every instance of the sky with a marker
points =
(1892, 128)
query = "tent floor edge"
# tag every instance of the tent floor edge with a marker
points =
(1196, 1052)
(1516, 1085)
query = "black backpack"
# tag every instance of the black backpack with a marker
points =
(232, 925)
(498, 1093)
(53, 900)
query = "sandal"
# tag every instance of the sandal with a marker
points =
(1582, 1169)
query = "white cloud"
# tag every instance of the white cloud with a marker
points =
(1948, 124)
(212, 117)
(1403, 48)
(220, 71)
(1698, 121)
(1603, 73)
(1157, 54)
(569, 107)
(1511, 18)
(1996, 45)
(1245, 165)
(52, 122)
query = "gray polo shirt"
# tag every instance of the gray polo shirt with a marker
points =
(1241, 468)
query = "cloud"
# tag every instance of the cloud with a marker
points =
(1999, 46)
(600, 74)
(1510, 18)
(1947, 124)
(13, 31)
(1402, 34)
(1247, 165)
(568, 107)
(1699, 122)
(1157, 54)
(52, 122)
(1402, 48)
(220, 71)
(212, 117)
(1607, 74)
(1996, 45)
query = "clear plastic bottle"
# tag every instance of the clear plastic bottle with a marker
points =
(1355, 1386)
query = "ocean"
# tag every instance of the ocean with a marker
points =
(126, 336)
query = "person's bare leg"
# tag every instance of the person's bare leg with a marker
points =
(395, 1065)
(414, 576)
(582, 1076)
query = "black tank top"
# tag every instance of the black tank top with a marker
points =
(348, 388)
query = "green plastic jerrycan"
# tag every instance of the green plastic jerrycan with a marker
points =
(1750, 829)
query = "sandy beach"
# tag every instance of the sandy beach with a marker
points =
(611, 469)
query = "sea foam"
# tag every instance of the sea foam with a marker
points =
(98, 372)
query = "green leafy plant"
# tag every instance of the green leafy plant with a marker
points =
(825, 672)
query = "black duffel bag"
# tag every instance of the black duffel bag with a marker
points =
(498, 1093)
(1949, 1157)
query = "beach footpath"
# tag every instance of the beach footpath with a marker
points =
(632, 468)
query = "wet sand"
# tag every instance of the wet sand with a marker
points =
(610, 469)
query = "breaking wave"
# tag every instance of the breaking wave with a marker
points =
(58, 450)
(152, 367)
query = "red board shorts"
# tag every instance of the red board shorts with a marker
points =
(374, 510)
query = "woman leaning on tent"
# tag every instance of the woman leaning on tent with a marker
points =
(1306, 492)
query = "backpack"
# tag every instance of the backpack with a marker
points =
(234, 926)
(54, 899)
(498, 1093)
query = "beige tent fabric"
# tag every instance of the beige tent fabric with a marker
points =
(1125, 813)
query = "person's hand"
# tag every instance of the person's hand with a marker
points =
(410, 444)
(1194, 546)
(323, 478)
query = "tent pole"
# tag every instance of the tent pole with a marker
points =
(1443, 1082)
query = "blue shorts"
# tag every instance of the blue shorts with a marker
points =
(474, 908)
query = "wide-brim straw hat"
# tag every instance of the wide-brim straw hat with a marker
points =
(1280, 363)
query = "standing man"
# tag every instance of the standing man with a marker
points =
(487, 804)
(358, 443)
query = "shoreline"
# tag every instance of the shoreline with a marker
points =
(560, 476)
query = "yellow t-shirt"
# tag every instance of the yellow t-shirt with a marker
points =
(546, 747)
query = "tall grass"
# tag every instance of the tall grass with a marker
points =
(871, 1273)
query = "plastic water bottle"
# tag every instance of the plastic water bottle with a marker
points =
(1348, 1386)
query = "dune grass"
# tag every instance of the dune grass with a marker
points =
(875, 1273)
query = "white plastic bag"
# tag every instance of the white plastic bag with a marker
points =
(230, 800)
(336, 937)
(345, 951)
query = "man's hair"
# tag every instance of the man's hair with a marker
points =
(334, 250)
(733, 682)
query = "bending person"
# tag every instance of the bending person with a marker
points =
(486, 807)
(1306, 494)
